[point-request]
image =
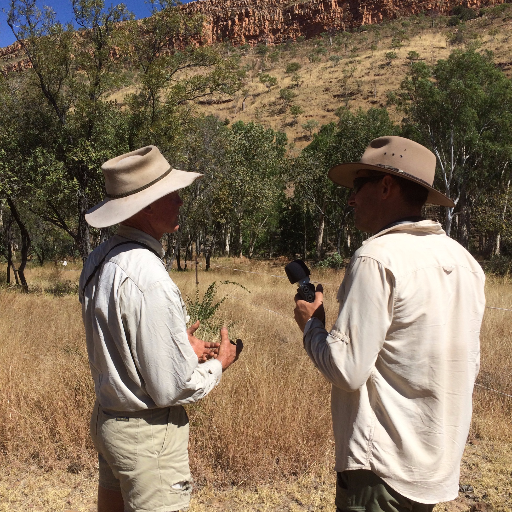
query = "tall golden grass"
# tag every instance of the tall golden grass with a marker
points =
(269, 418)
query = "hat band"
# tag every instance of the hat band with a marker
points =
(137, 190)
(403, 173)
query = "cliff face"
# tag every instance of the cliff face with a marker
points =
(276, 21)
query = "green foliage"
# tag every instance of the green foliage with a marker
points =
(268, 81)
(261, 49)
(391, 56)
(204, 309)
(335, 59)
(499, 266)
(412, 55)
(335, 261)
(464, 13)
(287, 95)
(296, 80)
(274, 56)
(296, 110)
(292, 67)
(462, 109)
(309, 126)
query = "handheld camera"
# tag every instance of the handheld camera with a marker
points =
(298, 272)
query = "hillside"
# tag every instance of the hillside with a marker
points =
(317, 67)
(354, 69)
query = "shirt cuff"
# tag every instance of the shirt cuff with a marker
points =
(213, 367)
(312, 323)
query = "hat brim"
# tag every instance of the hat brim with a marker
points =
(113, 211)
(344, 175)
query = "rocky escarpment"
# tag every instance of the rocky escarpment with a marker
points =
(276, 21)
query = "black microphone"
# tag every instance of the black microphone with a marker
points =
(298, 272)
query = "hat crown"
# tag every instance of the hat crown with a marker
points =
(403, 155)
(130, 172)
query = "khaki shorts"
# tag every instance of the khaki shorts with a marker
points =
(144, 455)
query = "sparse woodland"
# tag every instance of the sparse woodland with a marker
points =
(263, 124)
(250, 120)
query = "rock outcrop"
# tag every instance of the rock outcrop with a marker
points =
(277, 21)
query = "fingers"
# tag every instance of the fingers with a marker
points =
(193, 328)
(229, 350)
(319, 295)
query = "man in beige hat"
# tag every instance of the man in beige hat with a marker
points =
(144, 362)
(403, 354)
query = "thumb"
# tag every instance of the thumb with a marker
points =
(193, 328)
(224, 336)
(319, 296)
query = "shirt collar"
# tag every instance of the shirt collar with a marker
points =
(401, 221)
(419, 227)
(140, 236)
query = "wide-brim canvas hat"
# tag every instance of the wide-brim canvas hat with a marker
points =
(394, 155)
(132, 182)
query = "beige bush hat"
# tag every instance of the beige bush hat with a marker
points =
(395, 155)
(132, 182)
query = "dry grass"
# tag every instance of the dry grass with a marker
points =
(260, 441)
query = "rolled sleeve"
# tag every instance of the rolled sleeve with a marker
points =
(347, 354)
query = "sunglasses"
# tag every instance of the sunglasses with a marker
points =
(360, 182)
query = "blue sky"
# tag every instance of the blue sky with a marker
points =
(65, 13)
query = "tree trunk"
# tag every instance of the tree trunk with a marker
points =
(228, 238)
(240, 241)
(448, 221)
(320, 236)
(497, 248)
(25, 243)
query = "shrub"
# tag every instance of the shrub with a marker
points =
(333, 261)
(292, 67)
(391, 55)
(499, 265)
(261, 49)
(286, 94)
(274, 56)
(464, 13)
(296, 110)
(205, 309)
(335, 59)
(268, 80)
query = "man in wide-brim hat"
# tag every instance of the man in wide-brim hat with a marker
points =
(403, 354)
(144, 361)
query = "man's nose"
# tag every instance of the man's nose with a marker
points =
(351, 198)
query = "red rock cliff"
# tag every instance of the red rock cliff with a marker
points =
(276, 21)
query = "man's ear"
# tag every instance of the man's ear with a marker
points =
(388, 186)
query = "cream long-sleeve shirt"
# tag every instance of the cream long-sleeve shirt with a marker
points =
(135, 326)
(402, 357)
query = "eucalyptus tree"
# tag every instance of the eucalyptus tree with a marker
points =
(461, 108)
(314, 193)
(70, 79)
(253, 182)
(172, 71)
